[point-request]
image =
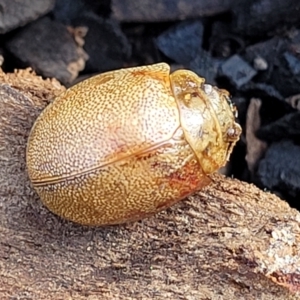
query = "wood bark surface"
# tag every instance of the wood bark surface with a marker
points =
(228, 241)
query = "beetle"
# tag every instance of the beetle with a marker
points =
(125, 144)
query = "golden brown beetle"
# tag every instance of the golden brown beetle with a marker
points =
(125, 144)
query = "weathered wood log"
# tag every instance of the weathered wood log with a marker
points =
(229, 241)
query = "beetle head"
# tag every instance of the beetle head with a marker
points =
(207, 117)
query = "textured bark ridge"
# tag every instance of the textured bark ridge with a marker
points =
(229, 241)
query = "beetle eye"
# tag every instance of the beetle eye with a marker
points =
(232, 133)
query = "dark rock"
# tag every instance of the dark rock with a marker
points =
(279, 170)
(49, 48)
(260, 64)
(142, 38)
(261, 90)
(205, 66)
(294, 101)
(237, 70)
(287, 127)
(273, 105)
(105, 43)
(167, 10)
(281, 55)
(68, 10)
(181, 42)
(258, 17)
(242, 104)
(293, 63)
(286, 74)
(15, 13)
(269, 51)
(222, 42)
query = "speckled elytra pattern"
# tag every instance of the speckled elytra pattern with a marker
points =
(129, 189)
(100, 120)
(125, 144)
